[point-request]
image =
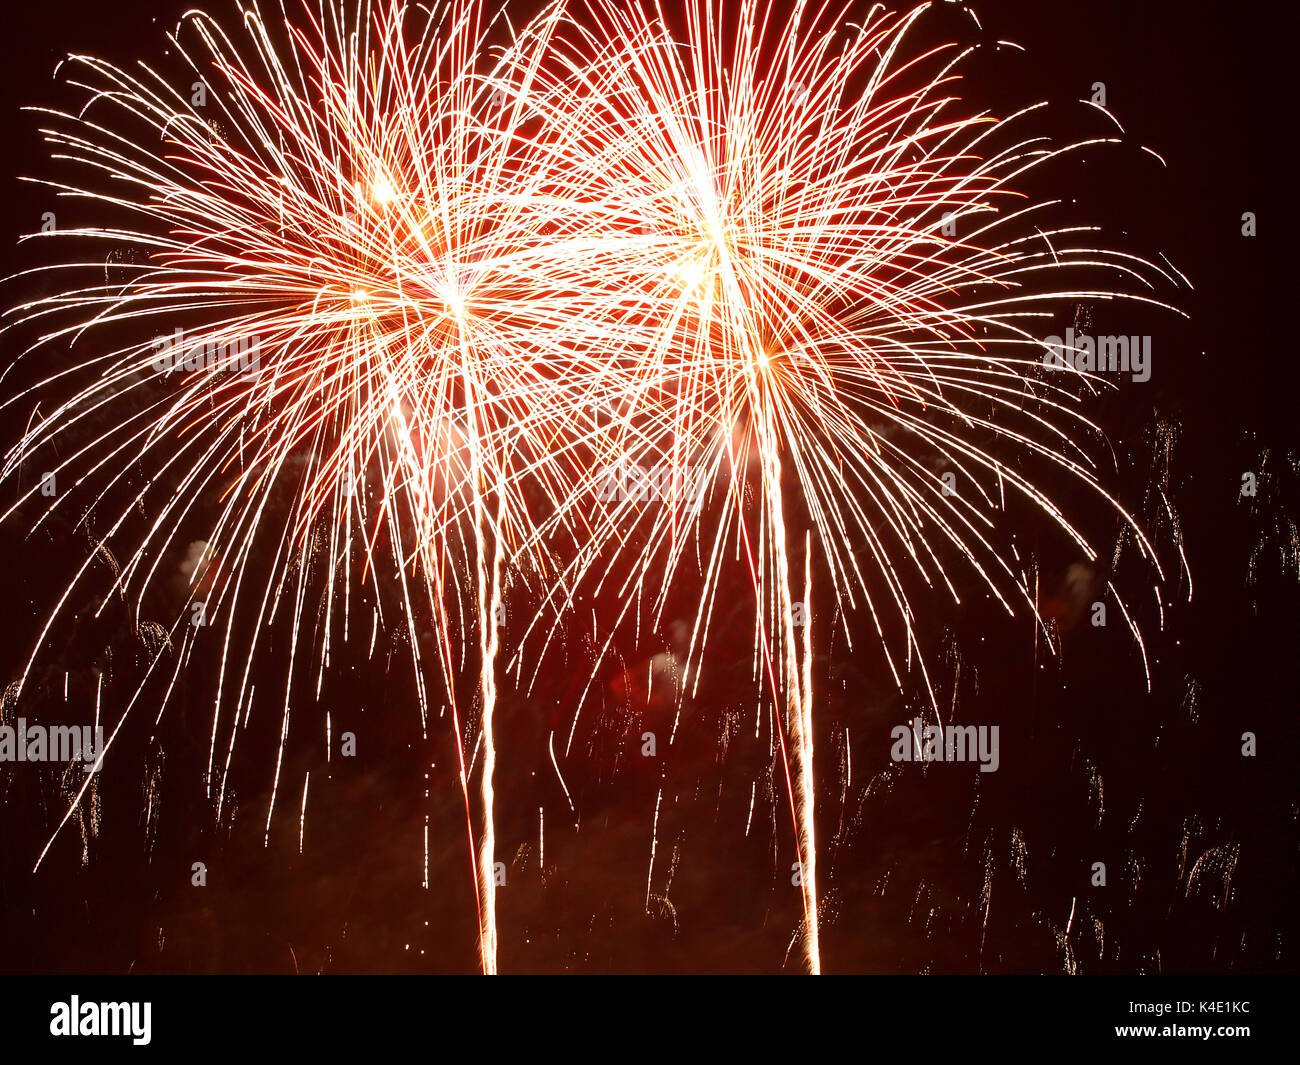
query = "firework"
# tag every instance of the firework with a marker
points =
(335, 296)
(407, 285)
(830, 291)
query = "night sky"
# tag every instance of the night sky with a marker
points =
(923, 868)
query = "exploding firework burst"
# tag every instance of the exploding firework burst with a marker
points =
(832, 292)
(337, 299)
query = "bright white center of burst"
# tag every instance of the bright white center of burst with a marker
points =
(692, 272)
(708, 258)
(453, 299)
(382, 191)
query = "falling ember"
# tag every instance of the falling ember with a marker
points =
(302, 813)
